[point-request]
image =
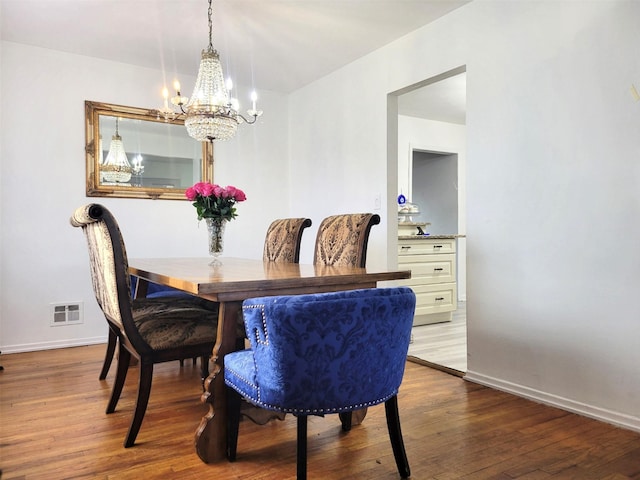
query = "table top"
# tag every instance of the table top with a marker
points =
(239, 278)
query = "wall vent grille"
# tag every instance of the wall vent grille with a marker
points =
(67, 314)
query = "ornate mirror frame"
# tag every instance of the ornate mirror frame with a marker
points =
(97, 114)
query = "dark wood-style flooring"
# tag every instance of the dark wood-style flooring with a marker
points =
(53, 426)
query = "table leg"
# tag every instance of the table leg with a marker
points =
(211, 436)
(142, 285)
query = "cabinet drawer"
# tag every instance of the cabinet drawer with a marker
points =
(427, 246)
(429, 269)
(435, 298)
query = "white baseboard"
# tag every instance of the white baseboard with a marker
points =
(608, 416)
(33, 347)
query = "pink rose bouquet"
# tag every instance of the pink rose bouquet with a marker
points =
(214, 201)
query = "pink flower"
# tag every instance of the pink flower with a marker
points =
(239, 195)
(214, 201)
(191, 193)
(218, 191)
(229, 192)
(198, 187)
(207, 189)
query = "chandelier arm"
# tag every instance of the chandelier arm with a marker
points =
(255, 118)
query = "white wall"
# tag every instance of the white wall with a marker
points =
(552, 186)
(44, 260)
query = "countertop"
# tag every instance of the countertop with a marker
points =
(427, 237)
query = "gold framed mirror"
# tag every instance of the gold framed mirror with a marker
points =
(135, 153)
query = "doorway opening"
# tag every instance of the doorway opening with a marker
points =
(427, 152)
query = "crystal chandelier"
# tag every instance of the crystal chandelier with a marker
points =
(116, 167)
(211, 113)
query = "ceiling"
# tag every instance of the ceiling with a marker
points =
(278, 45)
(445, 101)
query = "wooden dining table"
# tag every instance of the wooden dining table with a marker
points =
(235, 280)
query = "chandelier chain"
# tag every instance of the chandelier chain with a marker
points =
(210, 13)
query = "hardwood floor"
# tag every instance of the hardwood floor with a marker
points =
(53, 426)
(442, 345)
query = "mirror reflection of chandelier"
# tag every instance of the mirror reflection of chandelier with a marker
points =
(116, 167)
(138, 168)
(211, 113)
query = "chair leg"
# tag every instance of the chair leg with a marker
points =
(112, 340)
(395, 435)
(302, 448)
(193, 361)
(345, 419)
(234, 401)
(144, 391)
(124, 358)
(349, 419)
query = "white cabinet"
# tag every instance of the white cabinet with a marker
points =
(432, 262)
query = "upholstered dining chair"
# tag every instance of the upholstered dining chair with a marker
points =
(283, 238)
(342, 240)
(303, 350)
(157, 330)
(153, 291)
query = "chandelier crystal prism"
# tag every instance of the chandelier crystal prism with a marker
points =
(210, 113)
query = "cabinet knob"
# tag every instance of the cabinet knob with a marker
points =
(439, 299)
(437, 246)
(438, 269)
(405, 247)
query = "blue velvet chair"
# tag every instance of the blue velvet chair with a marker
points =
(304, 349)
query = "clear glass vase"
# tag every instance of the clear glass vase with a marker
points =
(216, 227)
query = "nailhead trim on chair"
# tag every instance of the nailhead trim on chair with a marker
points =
(315, 411)
(321, 411)
(264, 324)
(242, 378)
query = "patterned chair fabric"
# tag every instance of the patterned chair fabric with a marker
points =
(342, 239)
(154, 291)
(304, 349)
(282, 242)
(151, 330)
